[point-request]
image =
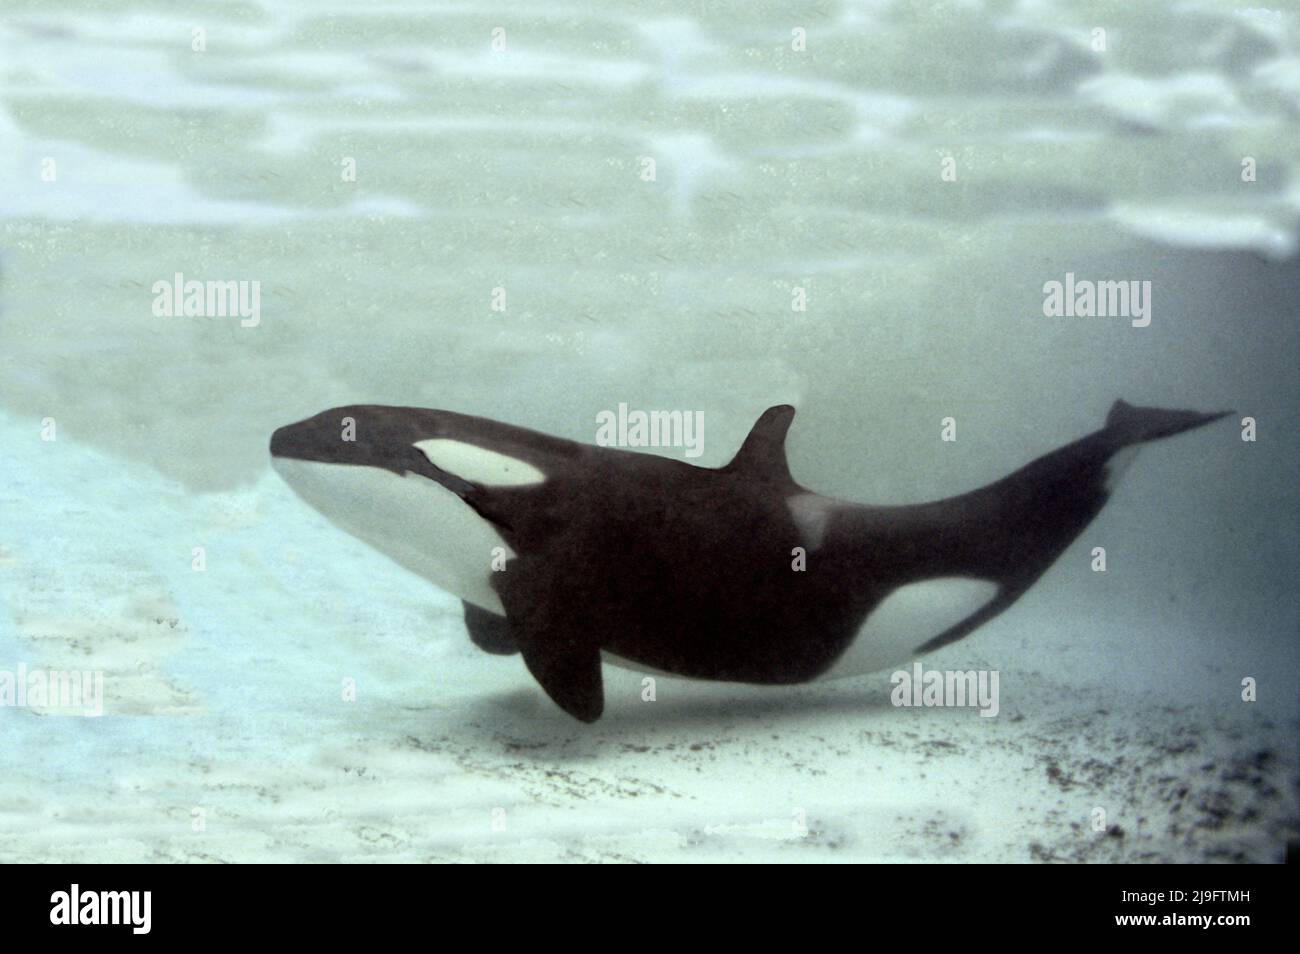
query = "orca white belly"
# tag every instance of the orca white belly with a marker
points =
(411, 519)
(907, 619)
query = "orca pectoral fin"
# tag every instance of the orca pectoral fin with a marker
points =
(553, 634)
(569, 674)
(488, 631)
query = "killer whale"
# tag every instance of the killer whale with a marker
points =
(569, 553)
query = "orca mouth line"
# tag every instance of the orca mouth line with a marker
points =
(459, 486)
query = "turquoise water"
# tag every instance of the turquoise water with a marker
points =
(911, 174)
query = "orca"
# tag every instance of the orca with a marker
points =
(570, 553)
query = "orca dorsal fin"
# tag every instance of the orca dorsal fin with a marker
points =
(764, 449)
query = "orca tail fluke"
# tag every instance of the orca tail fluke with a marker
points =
(1134, 425)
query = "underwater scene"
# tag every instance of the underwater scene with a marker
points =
(649, 431)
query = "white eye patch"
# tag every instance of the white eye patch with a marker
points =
(478, 464)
